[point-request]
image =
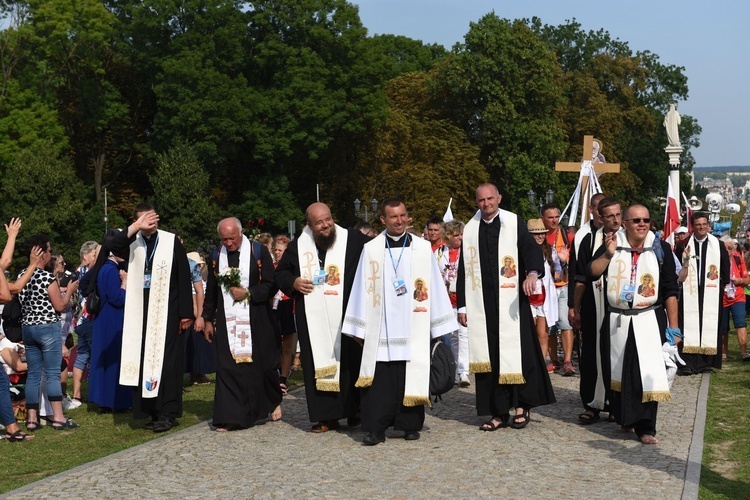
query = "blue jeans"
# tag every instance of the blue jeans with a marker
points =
(43, 352)
(6, 405)
(85, 332)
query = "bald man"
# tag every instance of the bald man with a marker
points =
(238, 323)
(317, 272)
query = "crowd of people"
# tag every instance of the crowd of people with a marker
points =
(357, 311)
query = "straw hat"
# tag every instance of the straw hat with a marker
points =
(195, 256)
(536, 226)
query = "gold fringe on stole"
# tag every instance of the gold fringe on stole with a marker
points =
(326, 371)
(244, 359)
(416, 400)
(660, 396)
(708, 351)
(480, 367)
(363, 382)
(327, 385)
(693, 349)
(511, 378)
(615, 385)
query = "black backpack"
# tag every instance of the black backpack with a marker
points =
(11, 318)
(442, 369)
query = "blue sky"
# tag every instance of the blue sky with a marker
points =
(709, 39)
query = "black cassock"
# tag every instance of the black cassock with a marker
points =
(627, 404)
(589, 333)
(493, 398)
(245, 392)
(325, 405)
(697, 363)
(169, 401)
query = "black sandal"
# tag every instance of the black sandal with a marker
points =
(18, 437)
(524, 422)
(491, 426)
(33, 426)
(587, 418)
(64, 425)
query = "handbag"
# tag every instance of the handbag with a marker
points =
(94, 301)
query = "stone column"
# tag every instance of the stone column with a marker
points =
(674, 153)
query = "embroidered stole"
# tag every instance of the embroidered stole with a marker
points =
(237, 316)
(511, 369)
(370, 290)
(156, 316)
(645, 325)
(324, 306)
(695, 342)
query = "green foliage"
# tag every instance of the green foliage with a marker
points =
(504, 88)
(275, 97)
(417, 155)
(272, 201)
(25, 122)
(181, 194)
(41, 188)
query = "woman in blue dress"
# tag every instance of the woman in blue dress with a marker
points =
(104, 372)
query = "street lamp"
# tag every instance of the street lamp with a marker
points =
(549, 197)
(366, 216)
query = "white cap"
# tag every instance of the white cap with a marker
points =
(680, 230)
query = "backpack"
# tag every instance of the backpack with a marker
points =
(442, 369)
(11, 319)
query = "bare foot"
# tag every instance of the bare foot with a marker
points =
(649, 439)
(275, 415)
(627, 429)
(221, 429)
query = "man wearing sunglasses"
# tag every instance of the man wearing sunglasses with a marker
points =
(629, 261)
(702, 291)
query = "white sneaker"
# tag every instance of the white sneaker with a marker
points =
(66, 402)
(463, 380)
(73, 404)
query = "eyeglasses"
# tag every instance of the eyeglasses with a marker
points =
(645, 220)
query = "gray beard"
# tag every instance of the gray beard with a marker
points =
(325, 242)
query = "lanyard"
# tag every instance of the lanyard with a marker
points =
(149, 259)
(395, 264)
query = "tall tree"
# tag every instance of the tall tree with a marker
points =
(504, 88)
(41, 188)
(181, 194)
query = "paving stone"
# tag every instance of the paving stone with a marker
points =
(553, 456)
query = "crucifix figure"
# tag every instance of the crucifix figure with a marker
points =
(591, 153)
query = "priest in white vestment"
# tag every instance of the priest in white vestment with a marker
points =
(640, 286)
(704, 276)
(398, 304)
(504, 350)
(158, 308)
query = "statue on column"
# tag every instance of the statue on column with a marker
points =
(672, 123)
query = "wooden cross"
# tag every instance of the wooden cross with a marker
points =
(599, 168)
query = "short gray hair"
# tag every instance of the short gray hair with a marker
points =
(88, 247)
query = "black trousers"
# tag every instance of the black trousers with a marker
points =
(382, 402)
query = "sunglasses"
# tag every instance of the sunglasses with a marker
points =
(645, 220)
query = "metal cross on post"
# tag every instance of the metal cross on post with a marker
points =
(591, 153)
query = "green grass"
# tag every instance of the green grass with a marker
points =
(726, 453)
(52, 452)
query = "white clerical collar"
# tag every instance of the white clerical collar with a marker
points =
(700, 241)
(396, 238)
(492, 219)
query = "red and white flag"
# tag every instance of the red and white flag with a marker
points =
(671, 215)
